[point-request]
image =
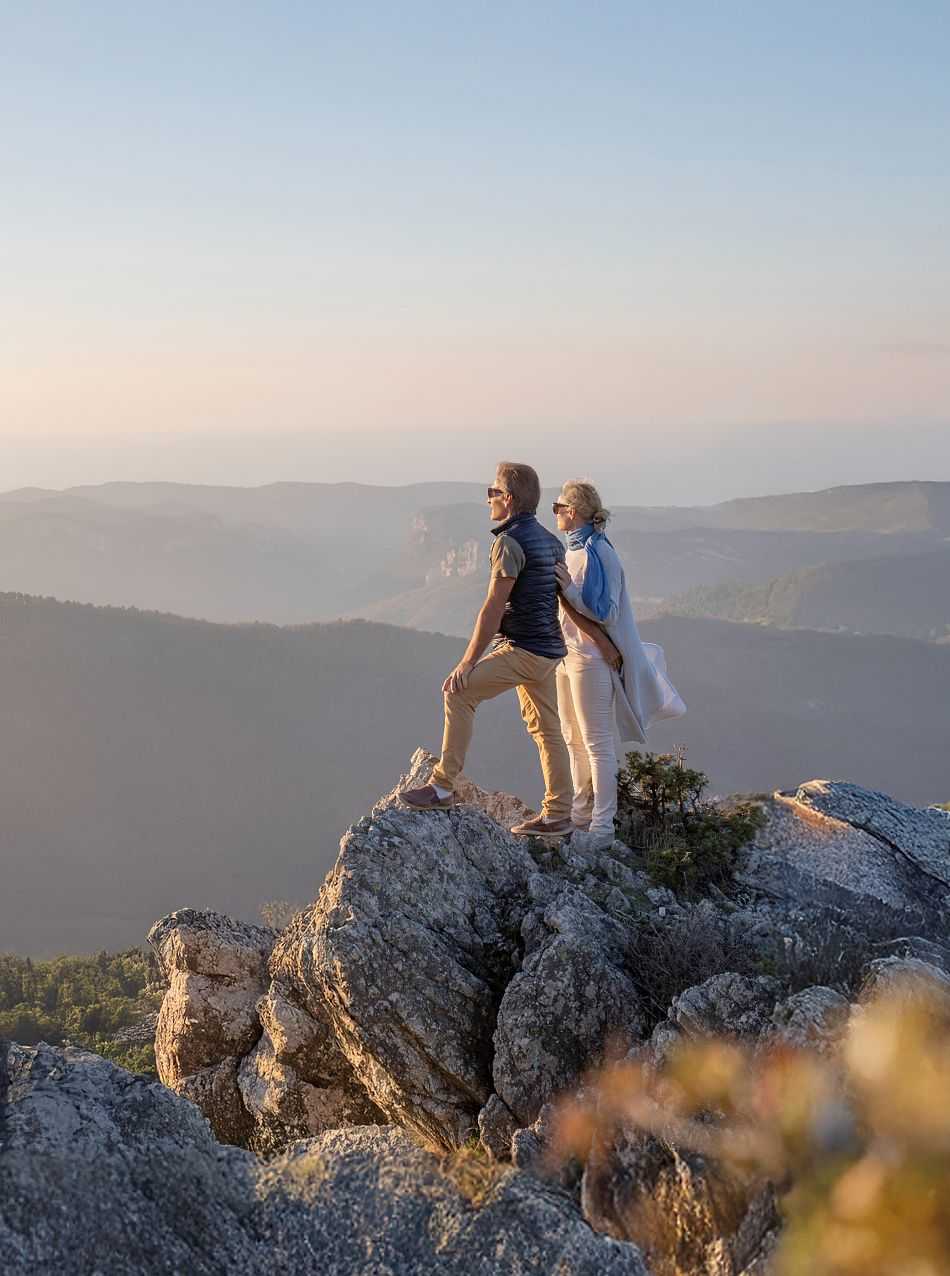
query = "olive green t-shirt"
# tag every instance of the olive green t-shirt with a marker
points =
(507, 557)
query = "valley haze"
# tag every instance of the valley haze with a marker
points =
(190, 717)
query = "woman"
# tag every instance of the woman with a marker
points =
(611, 686)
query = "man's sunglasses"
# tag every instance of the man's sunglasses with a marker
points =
(495, 492)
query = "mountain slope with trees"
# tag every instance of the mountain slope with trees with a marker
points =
(908, 596)
(148, 761)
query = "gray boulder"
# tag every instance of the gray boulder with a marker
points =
(571, 999)
(908, 977)
(104, 1173)
(408, 951)
(919, 836)
(813, 1019)
(726, 1005)
(836, 845)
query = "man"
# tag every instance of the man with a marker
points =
(521, 613)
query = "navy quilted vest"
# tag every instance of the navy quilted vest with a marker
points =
(531, 615)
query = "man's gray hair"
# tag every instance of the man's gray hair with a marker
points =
(523, 484)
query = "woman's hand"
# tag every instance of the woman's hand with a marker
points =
(564, 577)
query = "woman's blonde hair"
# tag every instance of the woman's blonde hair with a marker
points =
(585, 498)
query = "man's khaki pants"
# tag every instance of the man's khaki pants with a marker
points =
(535, 678)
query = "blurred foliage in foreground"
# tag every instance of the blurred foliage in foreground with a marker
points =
(81, 1001)
(690, 842)
(857, 1144)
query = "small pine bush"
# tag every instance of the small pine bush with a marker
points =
(690, 842)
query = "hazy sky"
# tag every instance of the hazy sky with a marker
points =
(702, 248)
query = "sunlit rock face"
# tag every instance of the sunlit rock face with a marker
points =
(461, 560)
(445, 964)
(454, 981)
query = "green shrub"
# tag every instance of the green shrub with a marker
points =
(690, 842)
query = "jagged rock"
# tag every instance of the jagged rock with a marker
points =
(703, 1220)
(729, 1005)
(297, 1081)
(813, 1019)
(103, 1172)
(909, 976)
(929, 950)
(496, 1128)
(409, 949)
(864, 853)
(447, 966)
(438, 970)
(920, 836)
(531, 1144)
(216, 969)
(504, 808)
(571, 996)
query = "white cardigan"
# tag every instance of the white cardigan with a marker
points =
(643, 694)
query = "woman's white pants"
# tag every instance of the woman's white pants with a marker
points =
(585, 699)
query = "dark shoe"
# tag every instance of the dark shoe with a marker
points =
(539, 826)
(426, 799)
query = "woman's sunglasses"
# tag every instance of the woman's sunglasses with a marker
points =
(557, 507)
(494, 492)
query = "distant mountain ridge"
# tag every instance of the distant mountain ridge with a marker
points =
(289, 553)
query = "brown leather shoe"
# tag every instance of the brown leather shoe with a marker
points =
(540, 826)
(426, 799)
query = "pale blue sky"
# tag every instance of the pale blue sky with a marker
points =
(270, 231)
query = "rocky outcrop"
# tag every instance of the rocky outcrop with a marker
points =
(830, 844)
(104, 1172)
(450, 978)
(919, 837)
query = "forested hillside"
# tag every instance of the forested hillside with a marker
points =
(81, 1001)
(907, 595)
(147, 762)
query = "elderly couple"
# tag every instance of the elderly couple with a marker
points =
(565, 638)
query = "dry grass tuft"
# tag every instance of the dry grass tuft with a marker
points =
(474, 1172)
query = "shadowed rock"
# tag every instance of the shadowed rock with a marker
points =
(101, 1171)
(700, 1219)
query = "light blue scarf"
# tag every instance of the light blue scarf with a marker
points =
(595, 591)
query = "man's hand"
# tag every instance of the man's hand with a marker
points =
(564, 577)
(458, 678)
